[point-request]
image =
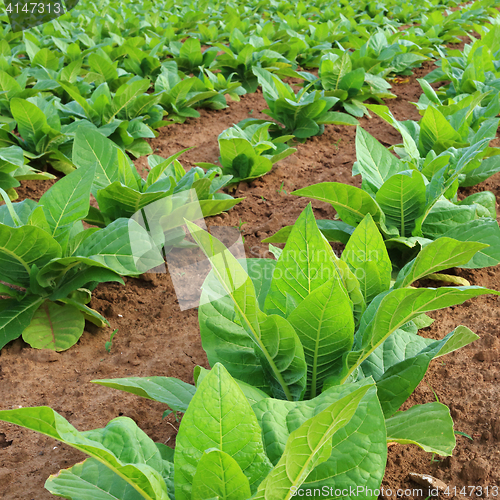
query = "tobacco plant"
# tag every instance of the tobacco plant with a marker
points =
(248, 152)
(412, 204)
(302, 115)
(311, 322)
(121, 192)
(50, 263)
(352, 86)
(219, 453)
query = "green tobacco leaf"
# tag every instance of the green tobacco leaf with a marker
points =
(220, 417)
(218, 475)
(21, 248)
(359, 450)
(408, 141)
(253, 394)
(374, 162)
(121, 446)
(392, 310)
(282, 358)
(306, 263)
(325, 326)
(92, 150)
(215, 206)
(171, 391)
(66, 202)
(120, 246)
(436, 133)
(486, 169)
(442, 253)
(15, 316)
(222, 336)
(429, 426)
(117, 200)
(367, 256)
(307, 447)
(484, 231)
(276, 343)
(402, 199)
(91, 480)
(31, 122)
(53, 326)
(351, 203)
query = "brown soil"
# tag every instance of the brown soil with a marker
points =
(156, 338)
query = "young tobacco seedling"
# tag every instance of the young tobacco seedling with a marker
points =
(411, 206)
(352, 87)
(302, 115)
(50, 263)
(248, 151)
(109, 344)
(219, 453)
(443, 132)
(121, 192)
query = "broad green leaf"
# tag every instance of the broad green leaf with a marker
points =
(307, 262)
(223, 337)
(220, 417)
(53, 326)
(307, 447)
(408, 141)
(443, 253)
(92, 149)
(374, 162)
(253, 394)
(21, 248)
(359, 450)
(282, 357)
(103, 67)
(483, 230)
(15, 316)
(171, 391)
(31, 122)
(120, 246)
(391, 310)
(486, 169)
(91, 480)
(429, 426)
(325, 326)
(121, 440)
(436, 133)
(351, 203)
(218, 475)
(332, 230)
(66, 202)
(117, 200)
(402, 199)
(367, 256)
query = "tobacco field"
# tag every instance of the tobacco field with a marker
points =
(350, 349)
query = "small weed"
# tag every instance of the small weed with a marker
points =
(336, 143)
(460, 433)
(166, 413)
(262, 198)
(282, 188)
(239, 227)
(250, 112)
(109, 343)
(433, 392)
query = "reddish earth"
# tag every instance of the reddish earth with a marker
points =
(156, 338)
